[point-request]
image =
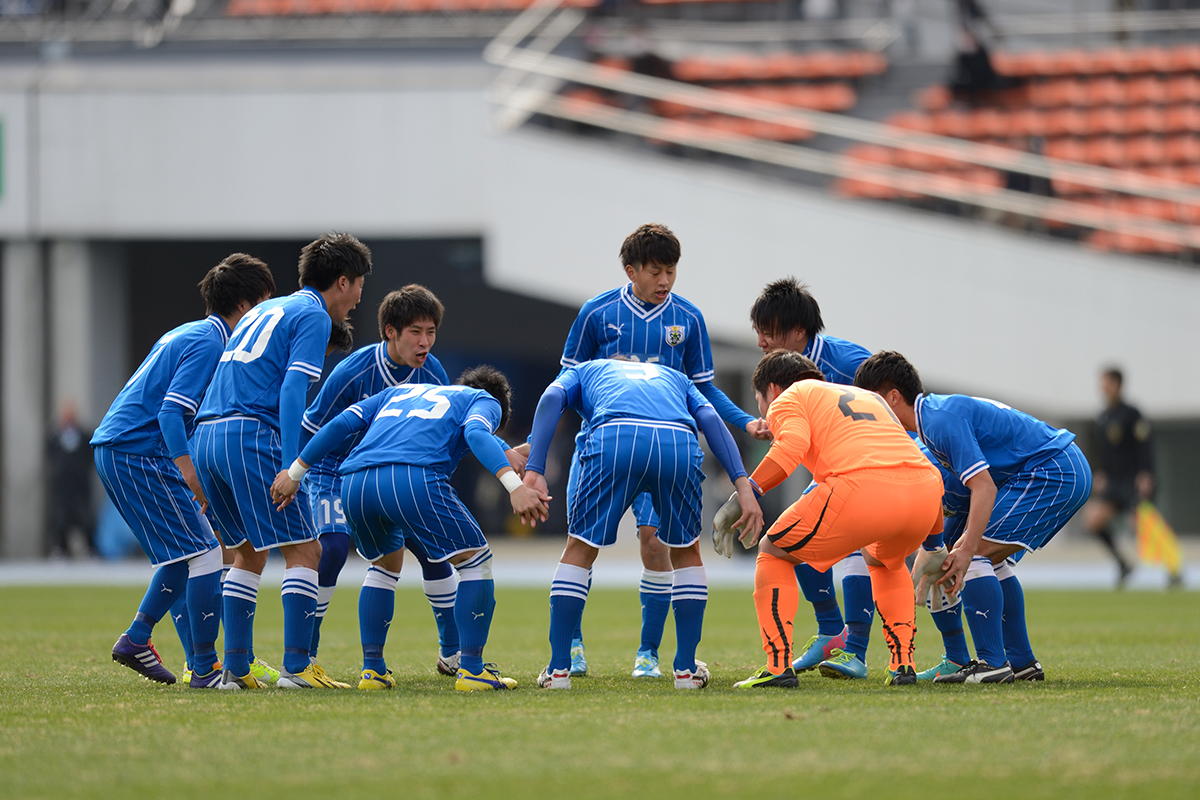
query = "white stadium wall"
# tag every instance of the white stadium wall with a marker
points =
(111, 150)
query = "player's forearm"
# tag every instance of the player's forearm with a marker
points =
(291, 412)
(983, 501)
(336, 431)
(721, 442)
(174, 432)
(545, 421)
(724, 406)
(768, 474)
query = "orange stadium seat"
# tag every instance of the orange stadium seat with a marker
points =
(1106, 121)
(1147, 119)
(1107, 151)
(1182, 149)
(1148, 150)
(1106, 92)
(1182, 119)
(911, 121)
(1066, 122)
(1146, 91)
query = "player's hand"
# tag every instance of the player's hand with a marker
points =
(759, 429)
(531, 505)
(954, 570)
(536, 480)
(283, 490)
(926, 569)
(751, 520)
(723, 533)
(517, 458)
(188, 470)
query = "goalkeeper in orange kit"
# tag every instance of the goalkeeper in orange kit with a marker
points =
(872, 488)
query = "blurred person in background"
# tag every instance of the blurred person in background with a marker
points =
(69, 485)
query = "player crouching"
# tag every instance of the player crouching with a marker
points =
(396, 485)
(872, 488)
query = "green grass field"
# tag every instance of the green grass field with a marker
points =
(1119, 715)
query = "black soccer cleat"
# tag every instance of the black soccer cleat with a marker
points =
(905, 676)
(1030, 672)
(978, 672)
(764, 679)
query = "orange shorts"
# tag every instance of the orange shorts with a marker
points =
(889, 511)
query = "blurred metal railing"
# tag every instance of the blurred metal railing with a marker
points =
(514, 92)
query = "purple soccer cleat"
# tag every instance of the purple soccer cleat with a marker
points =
(142, 659)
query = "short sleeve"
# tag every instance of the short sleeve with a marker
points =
(954, 436)
(193, 373)
(331, 400)
(581, 339)
(698, 360)
(310, 337)
(695, 400)
(484, 409)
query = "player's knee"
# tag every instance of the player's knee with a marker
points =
(684, 557)
(335, 549)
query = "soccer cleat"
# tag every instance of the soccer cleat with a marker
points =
(373, 680)
(978, 672)
(841, 664)
(142, 659)
(186, 677)
(645, 665)
(693, 679)
(944, 668)
(558, 679)
(263, 672)
(763, 679)
(320, 671)
(448, 665)
(1030, 672)
(578, 658)
(210, 681)
(905, 676)
(313, 677)
(247, 681)
(487, 680)
(817, 650)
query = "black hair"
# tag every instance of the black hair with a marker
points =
(341, 337)
(650, 244)
(1116, 374)
(786, 305)
(492, 381)
(887, 370)
(238, 277)
(403, 307)
(325, 260)
(783, 368)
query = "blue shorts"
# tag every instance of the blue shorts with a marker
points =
(388, 505)
(152, 498)
(237, 459)
(325, 502)
(643, 506)
(1036, 503)
(621, 460)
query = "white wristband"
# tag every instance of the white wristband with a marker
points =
(297, 471)
(511, 481)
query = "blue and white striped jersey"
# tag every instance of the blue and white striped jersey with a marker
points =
(177, 370)
(420, 424)
(671, 333)
(837, 358)
(607, 390)
(362, 374)
(277, 336)
(971, 434)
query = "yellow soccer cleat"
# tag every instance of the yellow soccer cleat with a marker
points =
(321, 671)
(263, 672)
(313, 677)
(372, 680)
(487, 680)
(247, 681)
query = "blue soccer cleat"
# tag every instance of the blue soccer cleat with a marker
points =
(578, 658)
(645, 665)
(817, 650)
(142, 659)
(212, 680)
(944, 668)
(841, 664)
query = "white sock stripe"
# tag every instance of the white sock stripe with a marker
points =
(322, 608)
(653, 578)
(654, 588)
(980, 567)
(475, 561)
(325, 593)
(243, 577)
(855, 565)
(205, 563)
(1004, 571)
(569, 590)
(239, 593)
(380, 578)
(305, 590)
(441, 600)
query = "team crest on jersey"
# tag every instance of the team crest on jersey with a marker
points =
(675, 334)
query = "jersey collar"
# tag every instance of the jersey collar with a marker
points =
(387, 367)
(815, 349)
(220, 325)
(918, 410)
(311, 292)
(644, 310)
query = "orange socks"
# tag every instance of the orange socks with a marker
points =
(776, 598)
(896, 603)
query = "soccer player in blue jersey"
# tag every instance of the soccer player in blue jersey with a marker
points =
(645, 321)
(249, 430)
(1025, 479)
(786, 316)
(142, 454)
(638, 437)
(409, 319)
(396, 493)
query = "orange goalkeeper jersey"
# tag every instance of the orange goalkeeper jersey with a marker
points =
(833, 429)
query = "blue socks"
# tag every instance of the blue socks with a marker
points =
(440, 585)
(203, 610)
(376, 606)
(166, 588)
(1016, 638)
(579, 627)
(568, 595)
(689, 596)
(859, 603)
(657, 596)
(473, 608)
(818, 590)
(299, 609)
(983, 601)
(335, 547)
(240, 595)
(949, 622)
